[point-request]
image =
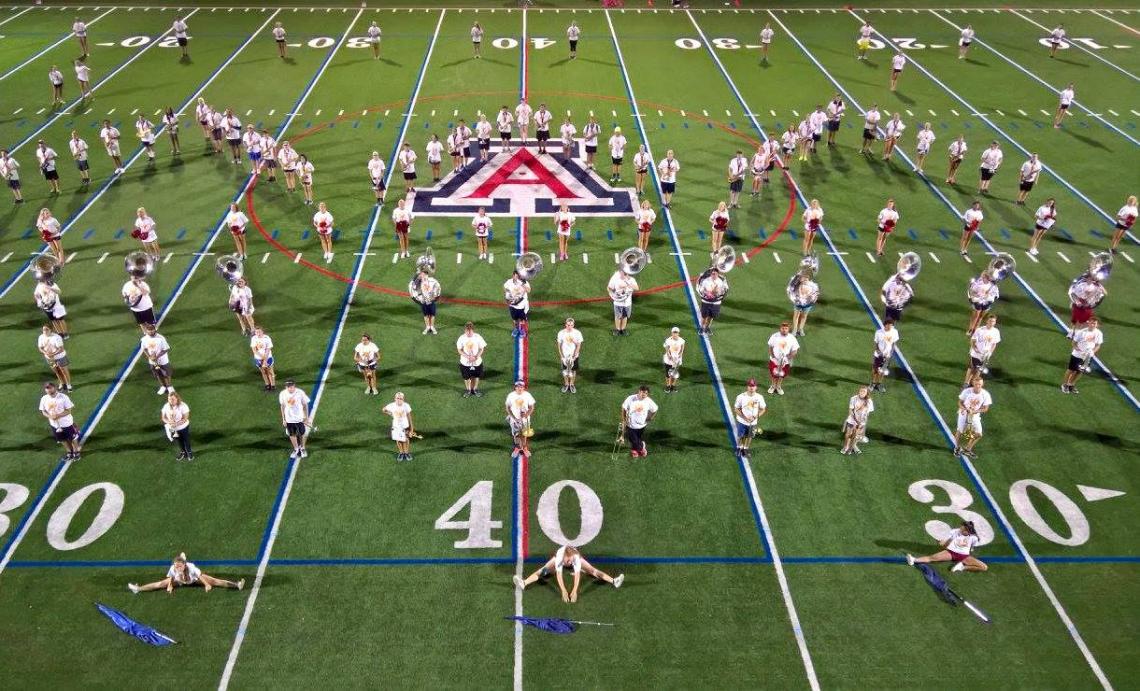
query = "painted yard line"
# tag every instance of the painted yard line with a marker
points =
(1057, 176)
(1041, 81)
(520, 501)
(1007, 528)
(1077, 45)
(95, 87)
(27, 9)
(334, 340)
(15, 69)
(11, 282)
(759, 514)
(1120, 24)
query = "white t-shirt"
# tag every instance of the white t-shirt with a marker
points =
(83, 73)
(569, 342)
(621, 288)
(50, 225)
(482, 225)
(1086, 341)
(642, 161)
(306, 169)
(518, 293)
(737, 167)
(47, 299)
(871, 119)
(894, 128)
(434, 151)
(967, 36)
(568, 130)
(751, 405)
(812, 218)
(859, 410)
(522, 114)
(817, 120)
(766, 35)
(242, 296)
(645, 217)
(323, 222)
(982, 291)
(146, 227)
(973, 218)
(1046, 216)
(401, 414)
(783, 345)
(483, 129)
(885, 341)
(374, 34)
(366, 353)
(637, 410)
(668, 168)
(236, 220)
(404, 215)
(278, 33)
(590, 132)
(138, 296)
(674, 348)
(180, 28)
(293, 404)
(520, 404)
(617, 146)
(262, 347)
(55, 77)
(542, 120)
(992, 158)
(1067, 96)
(1057, 35)
(898, 62)
(472, 348)
(252, 141)
(78, 149)
(408, 160)
(476, 34)
(80, 29)
(925, 139)
(1127, 215)
(1030, 170)
(974, 401)
(505, 121)
(984, 342)
(573, 32)
(888, 218)
(110, 136)
(961, 542)
(52, 343)
(897, 292)
(958, 149)
(59, 404)
(176, 417)
(156, 348)
(563, 222)
(560, 556)
(191, 575)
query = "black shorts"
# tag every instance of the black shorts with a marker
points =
(574, 365)
(981, 306)
(709, 310)
(366, 368)
(216, 133)
(14, 184)
(736, 185)
(485, 144)
(573, 46)
(68, 433)
(471, 372)
(295, 429)
(234, 142)
(82, 165)
(964, 43)
(516, 313)
(616, 160)
(183, 42)
(428, 309)
(280, 41)
(868, 134)
(409, 176)
(1120, 226)
(987, 174)
(892, 313)
(162, 371)
(144, 316)
(270, 163)
(1075, 363)
(52, 174)
(505, 136)
(378, 185)
(815, 136)
(832, 125)
(1064, 106)
(543, 135)
(878, 361)
(1025, 185)
(975, 363)
(668, 187)
(772, 164)
(591, 148)
(895, 72)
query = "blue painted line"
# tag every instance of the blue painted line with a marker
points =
(577, 235)
(27, 234)
(685, 125)
(945, 235)
(792, 231)
(1065, 234)
(275, 233)
(88, 233)
(662, 125)
(120, 233)
(305, 235)
(459, 235)
(912, 233)
(427, 236)
(762, 233)
(548, 236)
(379, 124)
(336, 234)
(1096, 233)
(700, 234)
(609, 235)
(1005, 233)
(355, 124)
(852, 233)
(181, 234)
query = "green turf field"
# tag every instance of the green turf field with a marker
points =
(782, 571)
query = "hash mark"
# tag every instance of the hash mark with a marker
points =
(934, 258)
(1063, 257)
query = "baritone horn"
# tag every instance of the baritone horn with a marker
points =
(909, 265)
(426, 261)
(529, 264)
(46, 267)
(230, 267)
(1001, 267)
(138, 264)
(633, 261)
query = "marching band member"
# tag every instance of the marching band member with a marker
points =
(50, 345)
(110, 136)
(279, 39)
(262, 347)
(463, 136)
(454, 149)
(477, 40)
(157, 351)
(407, 160)
(590, 133)
(403, 426)
(287, 156)
(323, 223)
(482, 223)
(563, 224)
(47, 299)
(231, 128)
(51, 232)
(886, 222)
(175, 416)
(983, 344)
(170, 122)
(637, 411)
(79, 28)
(542, 118)
(805, 138)
(295, 417)
(990, 162)
(305, 168)
(136, 293)
(483, 134)
(749, 406)
(568, 557)
(426, 293)
(241, 302)
(146, 233)
(898, 62)
(771, 149)
(236, 221)
(813, 218)
(964, 41)
(517, 291)
(1086, 344)
(870, 127)
(983, 293)
(789, 141)
(181, 34)
(617, 152)
(766, 35)
(10, 172)
(1027, 177)
(621, 288)
(972, 221)
(144, 129)
(711, 288)
(674, 353)
(202, 112)
(83, 76)
(956, 548)
(402, 218)
(471, 347)
(569, 347)
(782, 349)
(182, 573)
(523, 113)
(759, 168)
(520, 407)
(818, 121)
(47, 159)
(719, 222)
(923, 140)
(645, 216)
(1124, 220)
(573, 33)
(896, 295)
(217, 129)
(737, 167)
(893, 130)
(885, 340)
(859, 409)
(506, 125)
(568, 132)
(641, 163)
(57, 407)
(835, 110)
(1056, 39)
(374, 39)
(972, 403)
(366, 355)
(863, 42)
(1065, 101)
(957, 153)
(1044, 218)
(804, 295)
(254, 145)
(434, 150)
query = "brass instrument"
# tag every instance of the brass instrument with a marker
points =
(1100, 266)
(909, 265)
(139, 264)
(46, 267)
(1001, 267)
(230, 267)
(529, 264)
(723, 261)
(426, 261)
(633, 261)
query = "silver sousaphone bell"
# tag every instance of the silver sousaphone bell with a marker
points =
(529, 264)
(1100, 266)
(46, 268)
(1001, 267)
(632, 261)
(909, 265)
(426, 261)
(230, 267)
(138, 264)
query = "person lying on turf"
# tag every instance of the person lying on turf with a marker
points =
(183, 572)
(956, 547)
(568, 556)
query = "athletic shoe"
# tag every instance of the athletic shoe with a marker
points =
(425, 331)
(909, 560)
(1064, 388)
(573, 389)
(304, 452)
(1033, 252)
(518, 581)
(617, 581)
(565, 389)
(433, 331)
(189, 457)
(1073, 389)
(467, 393)
(960, 566)
(294, 455)
(368, 391)
(957, 451)
(478, 393)
(771, 389)
(779, 391)
(241, 584)
(864, 440)
(69, 388)
(181, 456)
(408, 457)
(856, 450)
(133, 587)
(161, 390)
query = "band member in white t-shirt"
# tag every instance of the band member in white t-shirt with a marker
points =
(542, 118)
(254, 146)
(471, 347)
(455, 150)
(885, 340)
(295, 417)
(241, 303)
(972, 403)
(50, 345)
(57, 407)
(863, 42)
(46, 296)
(520, 408)
(617, 152)
(859, 409)
(748, 409)
(621, 288)
(261, 345)
(279, 38)
(737, 168)
(1043, 220)
(817, 120)
(407, 160)
(202, 113)
(1124, 220)
(144, 130)
(236, 221)
(667, 175)
(637, 411)
(374, 39)
(305, 170)
(79, 152)
(871, 120)
(483, 134)
(181, 34)
(835, 111)
(10, 174)
(481, 223)
(971, 223)
(366, 356)
(568, 557)
(182, 573)
(156, 349)
(217, 129)
(287, 156)
(964, 41)
(1064, 102)
(170, 122)
(403, 426)
(956, 548)
(813, 222)
(425, 291)
(674, 348)
(983, 344)
(175, 416)
(146, 233)
(516, 291)
(505, 123)
(644, 217)
(957, 154)
(1056, 40)
(79, 28)
(573, 33)
(136, 295)
(990, 162)
(758, 166)
(434, 156)
(898, 62)
(641, 164)
(402, 218)
(231, 130)
(83, 76)
(891, 135)
(590, 133)
(51, 232)
(523, 112)
(563, 226)
(982, 293)
(49, 165)
(1027, 178)
(569, 347)
(568, 131)
(766, 35)
(718, 222)
(923, 141)
(110, 136)
(1086, 343)
(805, 139)
(323, 224)
(886, 222)
(711, 289)
(477, 40)
(782, 349)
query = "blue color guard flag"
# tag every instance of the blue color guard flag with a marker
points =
(140, 631)
(560, 626)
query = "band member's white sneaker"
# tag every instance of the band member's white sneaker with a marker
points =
(241, 584)
(909, 560)
(779, 391)
(161, 390)
(518, 581)
(960, 566)
(617, 581)
(433, 331)
(426, 331)
(133, 587)
(771, 389)
(304, 453)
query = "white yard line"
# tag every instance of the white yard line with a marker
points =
(23, 11)
(15, 69)
(1120, 24)
(1077, 45)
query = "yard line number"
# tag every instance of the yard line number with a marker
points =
(903, 42)
(479, 524)
(59, 525)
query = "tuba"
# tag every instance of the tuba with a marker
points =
(230, 267)
(724, 259)
(139, 264)
(1001, 267)
(810, 263)
(632, 261)
(529, 264)
(909, 265)
(426, 262)
(1100, 266)
(46, 267)
(794, 285)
